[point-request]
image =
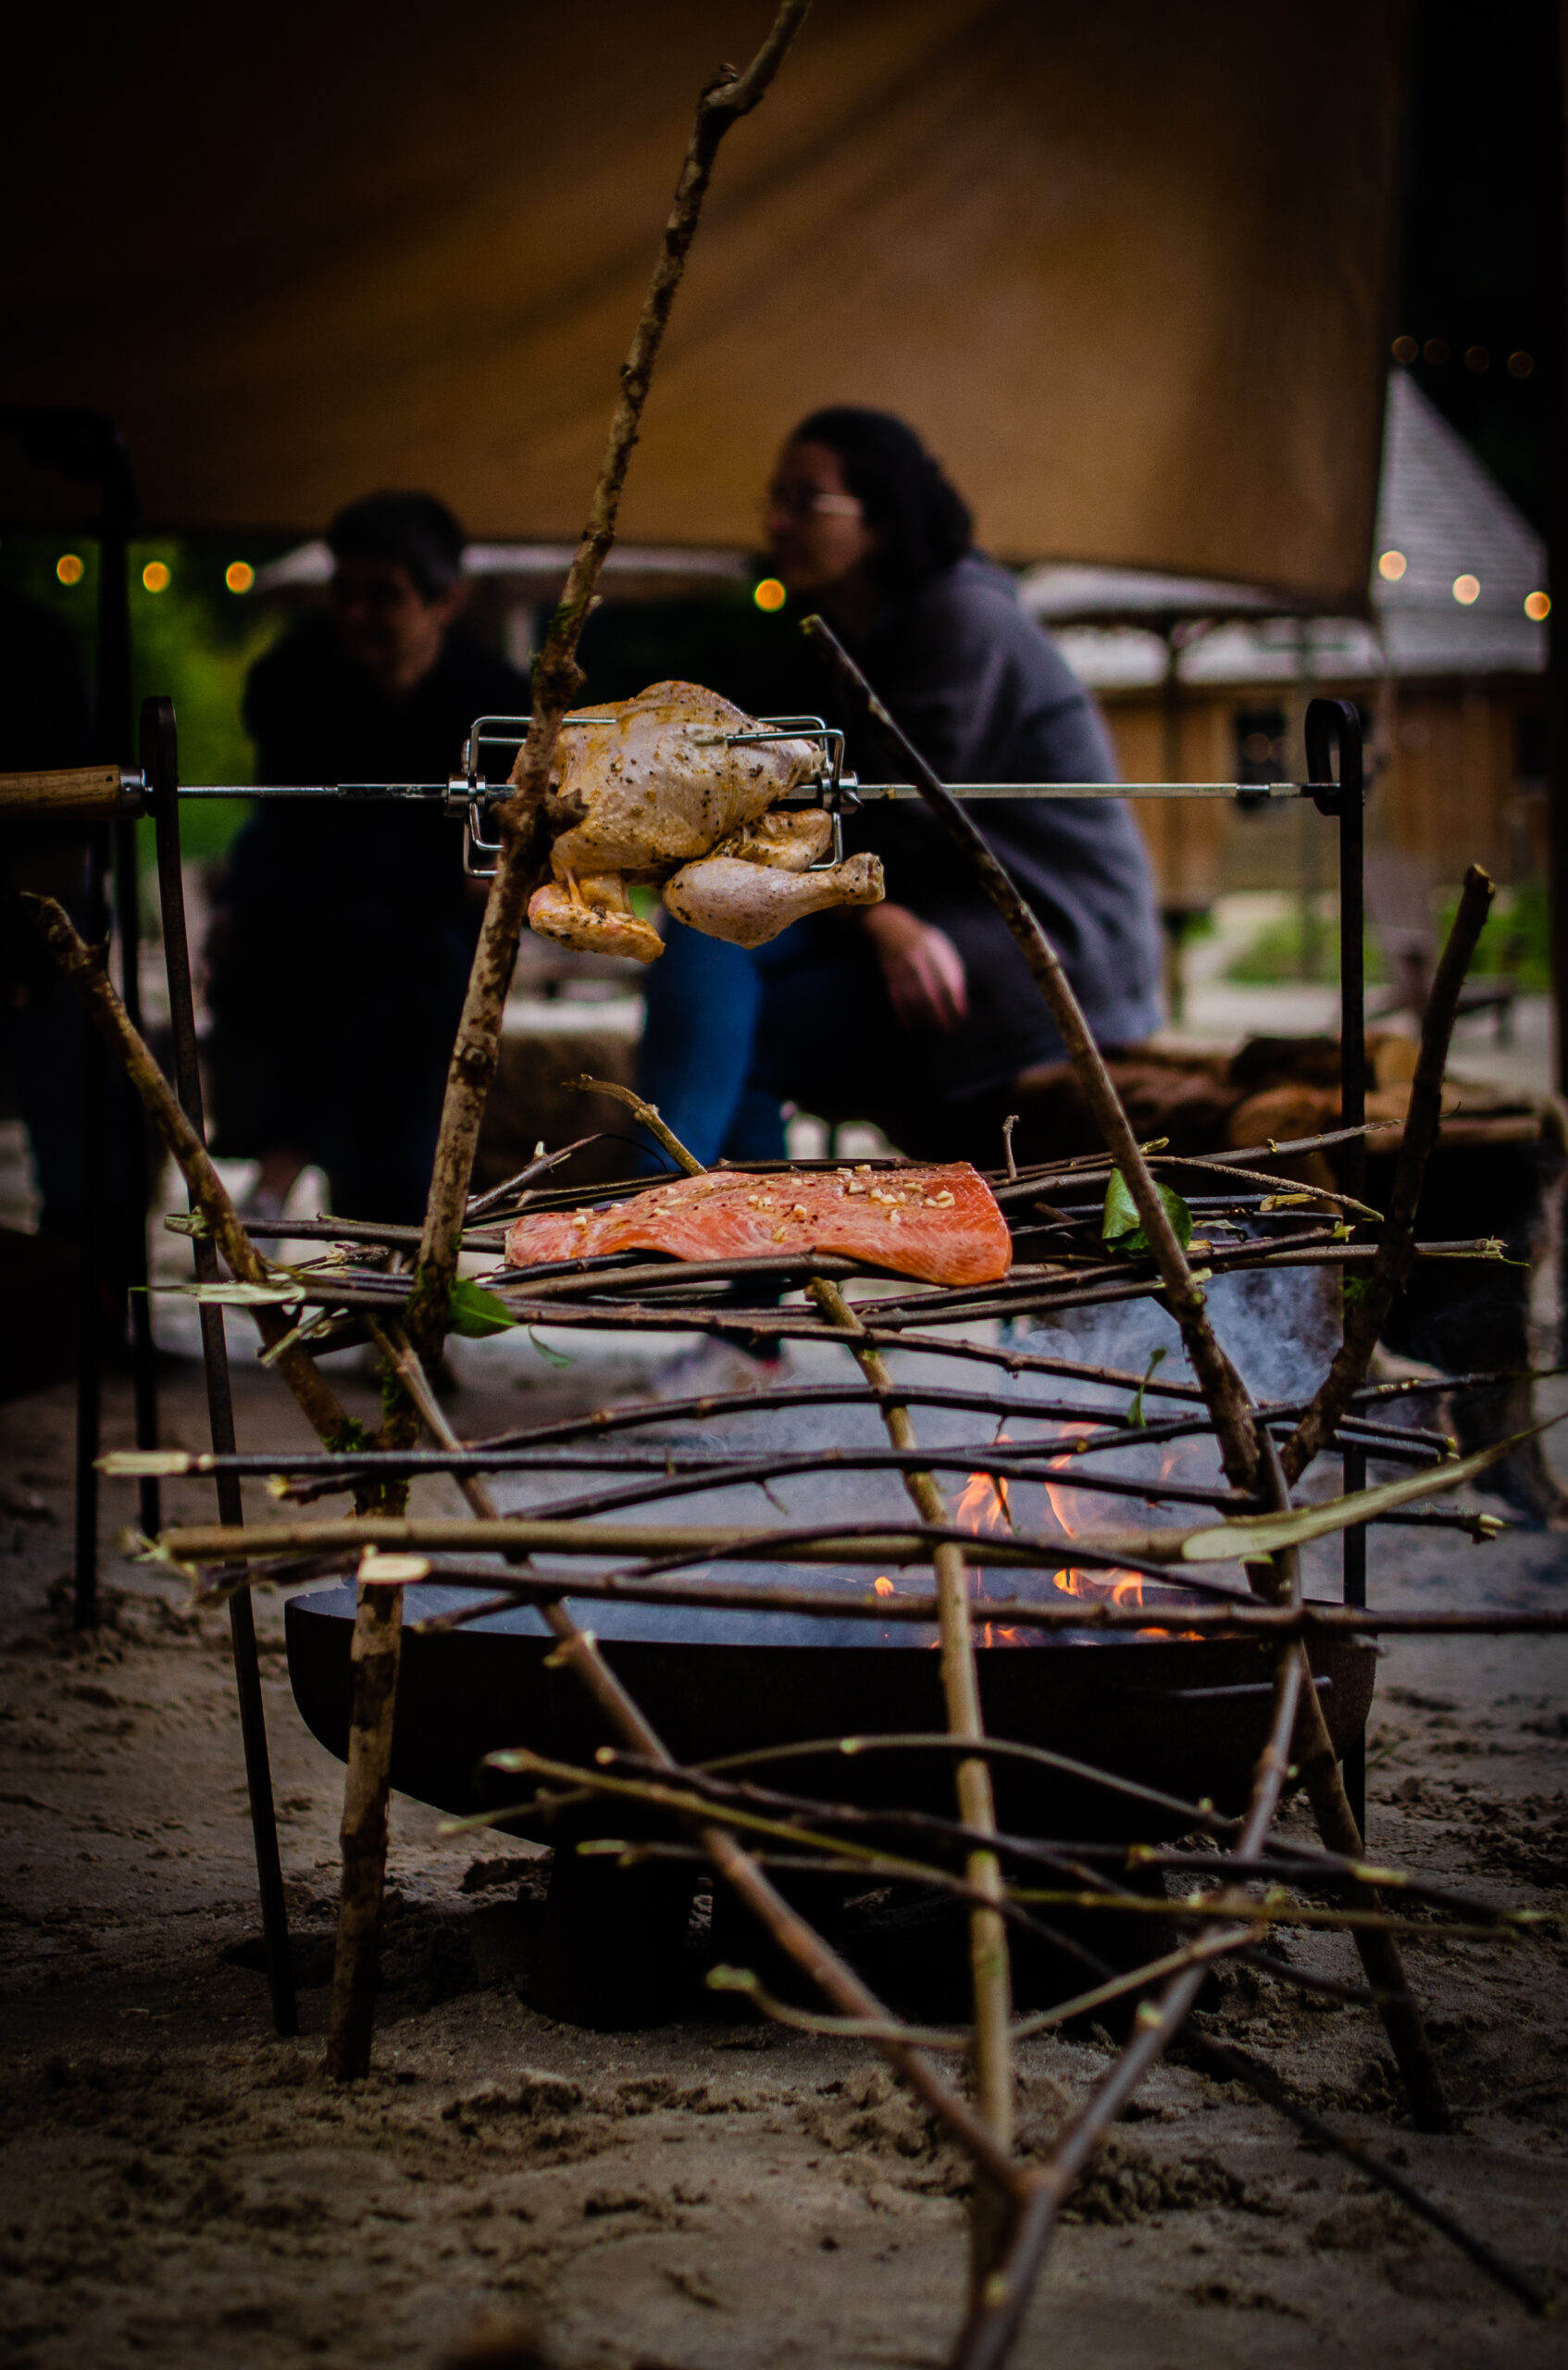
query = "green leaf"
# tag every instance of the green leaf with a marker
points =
(552, 1357)
(1121, 1226)
(1135, 1413)
(476, 1314)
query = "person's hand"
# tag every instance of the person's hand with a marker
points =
(922, 969)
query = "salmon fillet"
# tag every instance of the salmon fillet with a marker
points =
(942, 1225)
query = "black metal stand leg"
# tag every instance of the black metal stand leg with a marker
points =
(144, 1355)
(1341, 716)
(90, 1273)
(1353, 1766)
(160, 759)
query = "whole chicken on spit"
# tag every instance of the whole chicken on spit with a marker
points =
(659, 792)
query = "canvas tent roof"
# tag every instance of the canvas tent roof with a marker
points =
(1126, 267)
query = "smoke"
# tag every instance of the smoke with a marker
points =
(1280, 1327)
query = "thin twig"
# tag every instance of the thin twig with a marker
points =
(1234, 2064)
(208, 1194)
(647, 1115)
(557, 681)
(579, 1651)
(1365, 1319)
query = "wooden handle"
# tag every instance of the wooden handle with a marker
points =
(84, 795)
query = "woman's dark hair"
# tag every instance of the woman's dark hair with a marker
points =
(414, 531)
(924, 520)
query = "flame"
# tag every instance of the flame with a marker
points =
(882, 1586)
(985, 1503)
(985, 1506)
(1113, 1587)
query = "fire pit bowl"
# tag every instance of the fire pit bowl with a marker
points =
(1187, 1716)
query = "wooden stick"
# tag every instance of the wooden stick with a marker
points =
(379, 1620)
(647, 1115)
(1221, 1385)
(990, 1965)
(580, 1652)
(1365, 1318)
(374, 1658)
(995, 2316)
(1336, 1826)
(207, 1191)
(1232, 2064)
(556, 680)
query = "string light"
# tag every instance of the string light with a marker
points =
(769, 595)
(1466, 589)
(1538, 606)
(1405, 349)
(1392, 567)
(239, 576)
(1520, 366)
(70, 567)
(156, 575)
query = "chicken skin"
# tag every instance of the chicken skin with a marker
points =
(661, 794)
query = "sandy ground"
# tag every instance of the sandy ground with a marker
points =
(180, 2187)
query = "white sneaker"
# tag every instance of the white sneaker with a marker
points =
(717, 1368)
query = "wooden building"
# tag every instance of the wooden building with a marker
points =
(1210, 681)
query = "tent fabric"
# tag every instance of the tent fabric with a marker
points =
(1125, 269)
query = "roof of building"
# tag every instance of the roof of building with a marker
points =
(1440, 511)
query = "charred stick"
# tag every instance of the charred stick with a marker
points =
(557, 681)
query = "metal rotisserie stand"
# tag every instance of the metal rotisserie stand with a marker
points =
(1186, 1716)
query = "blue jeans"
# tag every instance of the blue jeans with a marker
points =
(703, 1000)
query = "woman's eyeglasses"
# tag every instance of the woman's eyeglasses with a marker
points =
(805, 501)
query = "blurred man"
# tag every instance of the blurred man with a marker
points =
(345, 931)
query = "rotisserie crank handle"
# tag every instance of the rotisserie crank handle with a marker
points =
(80, 794)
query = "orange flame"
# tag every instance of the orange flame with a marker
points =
(985, 1503)
(882, 1586)
(1113, 1587)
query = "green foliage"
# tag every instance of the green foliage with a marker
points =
(1517, 939)
(193, 641)
(1121, 1227)
(552, 1357)
(1135, 1415)
(1283, 953)
(476, 1314)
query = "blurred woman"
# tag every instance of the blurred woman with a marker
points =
(919, 1014)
